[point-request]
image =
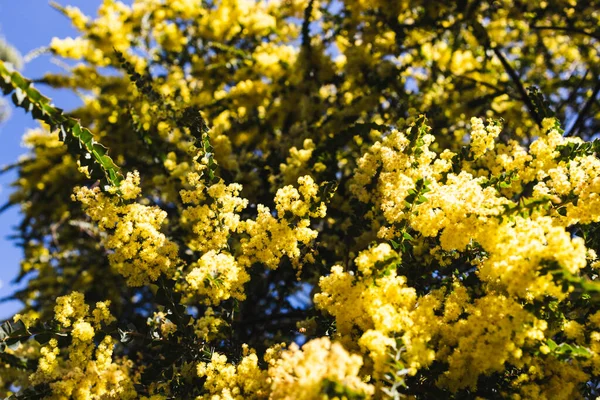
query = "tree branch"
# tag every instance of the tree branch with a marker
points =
(517, 81)
(573, 94)
(565, 29)
(584, 111)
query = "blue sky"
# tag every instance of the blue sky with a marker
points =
(27, 25)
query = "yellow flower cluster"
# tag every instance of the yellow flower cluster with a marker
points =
(517, 249)
(451, 260)
(317, 370)
(228, 381)
(141, 252)
(217, 277)
(297, 162)
(367, 259)
(473, 336)
(70, 308)
(86, 374)
(207, 327)
(105, 33)
(76, 48)
(401, 168)
(270, 238)
(493, 333)
(298, 202)
(482, 138)
(213, 211)
(378, 307)
(463, 209)
(232, 16)
(48, 364)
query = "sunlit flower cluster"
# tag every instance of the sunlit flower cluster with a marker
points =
(87, 370)
(313, 200)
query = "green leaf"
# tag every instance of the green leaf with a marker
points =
(571, 150)
(540, 104)
(26, 97)
(17, 362)
(12, 334)
(13, 343)
(566, 350)
(8, 329)
(415, 136)
(43, 338)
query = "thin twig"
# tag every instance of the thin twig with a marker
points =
(566, 29)
(584, 111)
(573, 94)
(488, 85)
(517, 81)
(306, 24)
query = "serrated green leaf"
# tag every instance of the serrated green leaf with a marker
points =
(25, 96)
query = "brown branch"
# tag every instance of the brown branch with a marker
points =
(566, 29)
(306, 24)
(573, 94)
(517, 81)
(584, 111)
(478, 82)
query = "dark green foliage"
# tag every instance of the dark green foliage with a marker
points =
(79, 140)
